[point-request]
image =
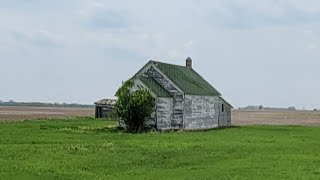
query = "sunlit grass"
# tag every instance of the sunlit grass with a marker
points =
(86, 148)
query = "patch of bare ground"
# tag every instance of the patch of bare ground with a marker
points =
(17, 113)
(239, 117)
(275, 117)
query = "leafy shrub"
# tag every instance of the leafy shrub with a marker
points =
(133, 107)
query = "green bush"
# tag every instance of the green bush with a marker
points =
(133, 107)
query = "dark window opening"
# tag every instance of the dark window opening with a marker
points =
(222, 108)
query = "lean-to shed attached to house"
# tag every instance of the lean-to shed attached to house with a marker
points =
(104, 107)
(184, 100)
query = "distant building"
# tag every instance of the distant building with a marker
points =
(184, 100)
(104, 107)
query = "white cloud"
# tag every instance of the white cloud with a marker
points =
(308, 32)
(312, 46)
(174, 54)
(310, 6)
(97, 4)
(91, 7)
(188, 44)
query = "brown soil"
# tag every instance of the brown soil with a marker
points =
(239, 117)
(23, 113)
(275, 117)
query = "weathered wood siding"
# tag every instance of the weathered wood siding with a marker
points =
(177, 106)
(164, 113)
(225, 115)
(151, 121)
(200, 112)
(103, 111)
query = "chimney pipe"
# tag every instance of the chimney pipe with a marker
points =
(189, 62)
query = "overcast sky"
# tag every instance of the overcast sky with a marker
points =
(254, 52)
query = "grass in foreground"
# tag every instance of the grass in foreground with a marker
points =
(90, 149)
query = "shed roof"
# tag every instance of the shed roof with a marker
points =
(110, 102)
(226, 102)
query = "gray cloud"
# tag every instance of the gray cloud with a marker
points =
(40, 38)
(107, 20)
(277, 13)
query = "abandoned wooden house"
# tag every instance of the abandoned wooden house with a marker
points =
(184, 100)
(104, 107)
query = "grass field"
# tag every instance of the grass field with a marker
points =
(84, 148)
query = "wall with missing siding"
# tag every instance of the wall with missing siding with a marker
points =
(177, 105)
(200, 112)
(164, 113)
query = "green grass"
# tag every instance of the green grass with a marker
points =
(85, 148)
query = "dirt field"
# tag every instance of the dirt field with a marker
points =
(275, 117)
(239, 117)
(22, 113)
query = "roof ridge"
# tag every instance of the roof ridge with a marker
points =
(191, 70)
(187, 79)
(168, 63)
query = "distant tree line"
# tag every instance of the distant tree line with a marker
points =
(39, 104)
(261, 107)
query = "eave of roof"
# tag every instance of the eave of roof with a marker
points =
(226, 102)
(106, 102)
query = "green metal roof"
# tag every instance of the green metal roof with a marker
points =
(187, 79)
(154, 86)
